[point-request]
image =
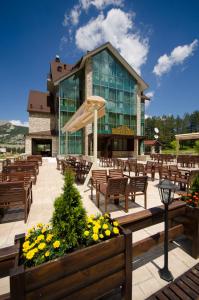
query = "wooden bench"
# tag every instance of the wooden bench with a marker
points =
(35, 157)
(185, 287)
(15, 195)
(29, 170)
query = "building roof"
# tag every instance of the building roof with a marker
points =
(40, 102)
(59, 69)
(151, 142)
(79, 65)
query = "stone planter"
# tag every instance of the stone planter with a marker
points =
(87, 273)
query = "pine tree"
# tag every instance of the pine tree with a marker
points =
(69, 217)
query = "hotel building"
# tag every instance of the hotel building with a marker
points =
(101, 72)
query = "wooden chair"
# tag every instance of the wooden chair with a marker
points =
(20, 176)
(15, 195)
(35, 157)
(114, 188)
(97, 177)
(164, 172)
(150, 169)
(140, 169)
(116, 173)
(186, 181)
(174, 172)
(138, 186)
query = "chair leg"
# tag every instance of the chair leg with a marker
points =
(97, 197)
(92, 192)
(126, 203)
(145, 201)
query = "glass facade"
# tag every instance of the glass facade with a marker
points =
(113, 82)
(117, 86)
(71, 93)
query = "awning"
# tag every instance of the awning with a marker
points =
(85, 114)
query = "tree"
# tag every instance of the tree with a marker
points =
(69, 217)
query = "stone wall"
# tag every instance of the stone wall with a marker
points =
(41, 122)
(28, 143)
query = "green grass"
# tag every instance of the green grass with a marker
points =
(186, 150)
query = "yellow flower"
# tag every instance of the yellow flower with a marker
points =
(39, 225)
(26, 244)
(27, 236)
(86, 233)
(95, 237)
(43, 230)
(115, 230)
(40, 238)
(101, 218)
(115, 223)
(41, 246)
(107, 232)
(106, 215)
(30, 254)
(90, 220)
(49, 237)
(35, 250)
(32, 245)
(95, 229)
(56, 244)
(105, 226)
(101, 236)
(47, 253)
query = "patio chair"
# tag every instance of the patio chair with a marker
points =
(116, 173)
(164, 172)
(97, 177)
(150, 169)
(140, 169)
(15, 195)
(138, 186)
(114, 188)
(186, 181)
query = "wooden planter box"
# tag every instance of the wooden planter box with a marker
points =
(87, 273)
(192, 213)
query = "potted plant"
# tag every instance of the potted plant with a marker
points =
(73, 257)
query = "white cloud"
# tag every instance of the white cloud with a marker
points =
(100, 4)
(147, 116)
(176, 57)
(150, 94)
(19, 123)
(74, 14)
(117, 28)
(84, 5)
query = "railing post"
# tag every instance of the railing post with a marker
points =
(127, 287)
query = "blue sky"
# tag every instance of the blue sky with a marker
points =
(158, 38)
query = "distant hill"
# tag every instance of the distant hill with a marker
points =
(12, 134)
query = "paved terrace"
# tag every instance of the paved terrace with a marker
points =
(146, 279)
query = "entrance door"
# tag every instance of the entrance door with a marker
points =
(42, 147)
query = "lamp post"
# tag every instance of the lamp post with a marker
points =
(166, 189)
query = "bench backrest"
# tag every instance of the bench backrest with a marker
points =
(12, 194)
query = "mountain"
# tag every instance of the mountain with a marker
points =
(12, 134)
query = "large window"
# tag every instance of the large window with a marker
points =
(71, 93)
(113, 82)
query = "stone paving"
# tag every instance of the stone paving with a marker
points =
(146, 279)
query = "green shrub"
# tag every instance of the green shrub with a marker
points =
(196, 147)
(69, 217)
(195, 184)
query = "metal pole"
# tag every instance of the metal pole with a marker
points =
(165, 273)
(95, 136)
